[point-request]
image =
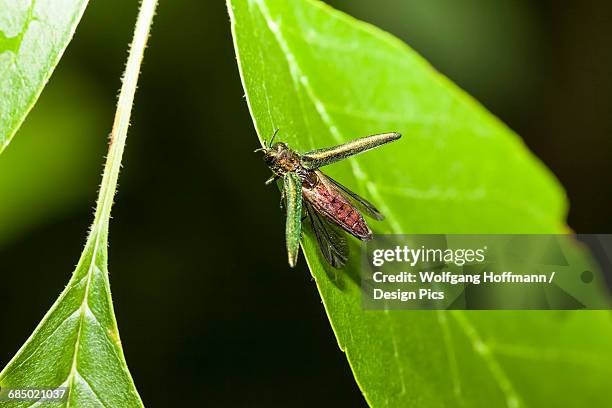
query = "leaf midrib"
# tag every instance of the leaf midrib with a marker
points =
(83, 310)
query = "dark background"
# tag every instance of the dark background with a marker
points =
(205, 301)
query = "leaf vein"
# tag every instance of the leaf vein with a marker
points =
(449, 346)
(482, 350)
(86, 383)
(82, 313)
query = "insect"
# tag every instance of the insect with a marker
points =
(329, 205)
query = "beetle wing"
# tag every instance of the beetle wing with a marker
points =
(363, 204)
(322, 157)
(293, 226)
(330, 240)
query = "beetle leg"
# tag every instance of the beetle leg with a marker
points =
(271, 180)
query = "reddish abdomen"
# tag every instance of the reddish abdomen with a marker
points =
(330, 202)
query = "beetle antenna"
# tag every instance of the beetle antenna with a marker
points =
(267, 145)
(273, 136)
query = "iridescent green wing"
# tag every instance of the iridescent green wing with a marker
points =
(293, 227)
(322, 157)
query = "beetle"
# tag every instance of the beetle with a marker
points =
(328, 205)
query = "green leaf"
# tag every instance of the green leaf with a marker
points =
(324, 78)
(77, 344)
(33, 36)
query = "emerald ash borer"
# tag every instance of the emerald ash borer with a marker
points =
(326, 203)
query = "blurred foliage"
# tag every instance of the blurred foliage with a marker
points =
(53, 167)
(33, 36)
(484, 46)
